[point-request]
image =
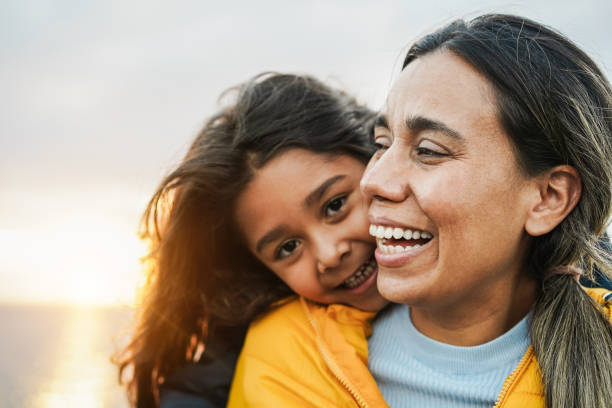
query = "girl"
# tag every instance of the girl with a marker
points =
(495, 145)
(265, 204)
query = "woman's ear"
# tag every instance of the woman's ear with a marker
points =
(560, 189)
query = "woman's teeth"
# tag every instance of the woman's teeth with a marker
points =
(394, 249)
(381, 232)
(409, 239)
(362, 274)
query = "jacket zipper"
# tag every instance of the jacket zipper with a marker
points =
(510, 380)
(331, 363)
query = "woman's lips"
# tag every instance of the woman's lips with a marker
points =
(390, 255)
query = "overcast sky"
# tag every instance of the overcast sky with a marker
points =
(100, 99)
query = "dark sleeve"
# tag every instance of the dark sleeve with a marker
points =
(206, 384)
(177, 399)
(200, 385)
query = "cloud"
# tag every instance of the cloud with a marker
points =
(100, 99)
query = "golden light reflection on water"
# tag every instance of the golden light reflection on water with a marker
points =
(82, 261)
(83, 375)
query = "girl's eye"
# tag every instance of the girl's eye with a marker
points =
(335, 206)
(287, 248)
(430, 149)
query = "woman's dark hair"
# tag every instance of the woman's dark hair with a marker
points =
(556, 107)
(203, 285)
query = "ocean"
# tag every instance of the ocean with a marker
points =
(59, 356)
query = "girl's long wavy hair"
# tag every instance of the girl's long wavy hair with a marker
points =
(203, 286)
(556, 106)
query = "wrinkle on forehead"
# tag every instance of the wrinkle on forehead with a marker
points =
(433, 75)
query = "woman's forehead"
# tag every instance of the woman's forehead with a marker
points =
(440, 87)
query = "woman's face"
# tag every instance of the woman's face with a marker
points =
(446, 170)
(305, 218)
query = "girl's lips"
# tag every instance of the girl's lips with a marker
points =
(399, 258)
(367, 284)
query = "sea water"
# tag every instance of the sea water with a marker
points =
(59, 356)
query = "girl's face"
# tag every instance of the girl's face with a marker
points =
(304, 217)
(448, 202)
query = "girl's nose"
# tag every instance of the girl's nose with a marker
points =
(330, 254)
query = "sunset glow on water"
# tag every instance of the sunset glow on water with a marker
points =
(59, 356)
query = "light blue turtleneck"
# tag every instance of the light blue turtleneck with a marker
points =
(413, 370)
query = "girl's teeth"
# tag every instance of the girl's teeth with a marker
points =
(360, 276)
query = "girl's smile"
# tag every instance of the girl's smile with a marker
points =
(304, 217)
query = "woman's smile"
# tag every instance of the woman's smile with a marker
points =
(448, 199)
(398, 245)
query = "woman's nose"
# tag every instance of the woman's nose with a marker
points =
(385, 179)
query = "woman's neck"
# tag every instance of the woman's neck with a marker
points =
(479, 318)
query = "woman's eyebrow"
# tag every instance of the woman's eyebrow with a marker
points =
(381, 121)
(318, 192)
(420, 123)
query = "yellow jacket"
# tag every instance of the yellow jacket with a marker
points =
(319, 359)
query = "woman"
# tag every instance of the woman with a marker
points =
(265, 205)
(496, 145)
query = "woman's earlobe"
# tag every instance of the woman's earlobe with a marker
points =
(560, 189)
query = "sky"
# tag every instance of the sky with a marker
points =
(102, 98)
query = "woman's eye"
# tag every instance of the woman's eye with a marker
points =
(430, 149)
(335, 206)
(382, 142)
(423, 151)
(379, 146)
(287, 248)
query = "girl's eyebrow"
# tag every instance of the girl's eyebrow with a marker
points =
(318, 192)
(271, 236)
(277, 232)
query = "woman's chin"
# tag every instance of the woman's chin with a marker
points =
(396, 287)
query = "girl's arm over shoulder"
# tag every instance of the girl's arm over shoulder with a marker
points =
(288, 359)
(278, 362)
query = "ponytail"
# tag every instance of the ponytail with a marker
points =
(572, 339)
